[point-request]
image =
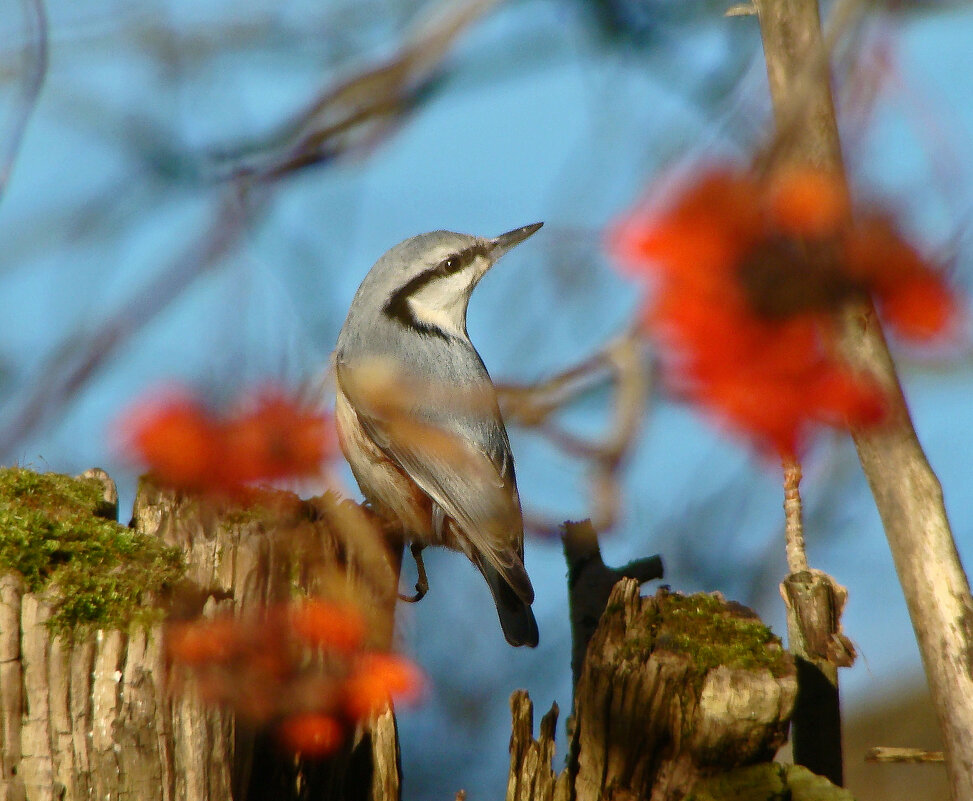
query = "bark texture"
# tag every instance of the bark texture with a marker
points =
(673, 690)
(93, 717)
(814, 603)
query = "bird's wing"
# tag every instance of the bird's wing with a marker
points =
(462, 474)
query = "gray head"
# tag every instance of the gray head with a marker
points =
(425, 282)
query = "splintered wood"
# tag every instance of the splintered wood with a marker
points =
(673, 690)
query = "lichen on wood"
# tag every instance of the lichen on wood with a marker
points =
(769, 781)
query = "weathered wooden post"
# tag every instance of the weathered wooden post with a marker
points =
(85, 709)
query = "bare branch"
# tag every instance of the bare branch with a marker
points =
(30, 86)
(83, 353)
(623, 363)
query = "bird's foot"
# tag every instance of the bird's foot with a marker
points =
(422, 585)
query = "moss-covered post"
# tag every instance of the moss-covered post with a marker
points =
(676, 688)
(82, 706)
(85, 707)
(679, 697)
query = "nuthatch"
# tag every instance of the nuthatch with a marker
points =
(449, 479)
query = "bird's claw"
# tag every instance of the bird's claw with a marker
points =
(422, 584)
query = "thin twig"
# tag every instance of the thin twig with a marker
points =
(884, 753)
(793, 518)
(623, 363)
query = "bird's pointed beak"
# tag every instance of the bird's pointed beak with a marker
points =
(506, 241)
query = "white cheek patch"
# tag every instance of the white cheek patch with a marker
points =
(435, 318)
(442, 302)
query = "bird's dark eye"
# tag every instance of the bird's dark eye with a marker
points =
(456, 262)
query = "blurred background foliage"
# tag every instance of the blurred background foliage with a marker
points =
(191, 192)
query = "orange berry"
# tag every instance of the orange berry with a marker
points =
(202, 641)
(378, 679)
(808, 202)
(748, 274)
(277, 439)
(313, 734)
(332, 625)
(921, 309)
(175, 439)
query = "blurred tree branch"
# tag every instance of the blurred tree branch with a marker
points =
(83, 353)
(356, 110)
(363, 109)
(32, 80)
(533, 406)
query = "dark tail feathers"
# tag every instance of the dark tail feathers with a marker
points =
(516, 618)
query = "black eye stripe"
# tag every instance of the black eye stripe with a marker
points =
(459, 261)
(397, 307)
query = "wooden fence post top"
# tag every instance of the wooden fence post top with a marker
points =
(676, 692)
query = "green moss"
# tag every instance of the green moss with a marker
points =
(769, 781)
(710, 633)
(764, 782)
(98, 573)
(704, 628)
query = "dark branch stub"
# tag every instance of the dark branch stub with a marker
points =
(590, 582)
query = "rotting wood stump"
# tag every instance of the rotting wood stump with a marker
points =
(674, 691)
(88, 715)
